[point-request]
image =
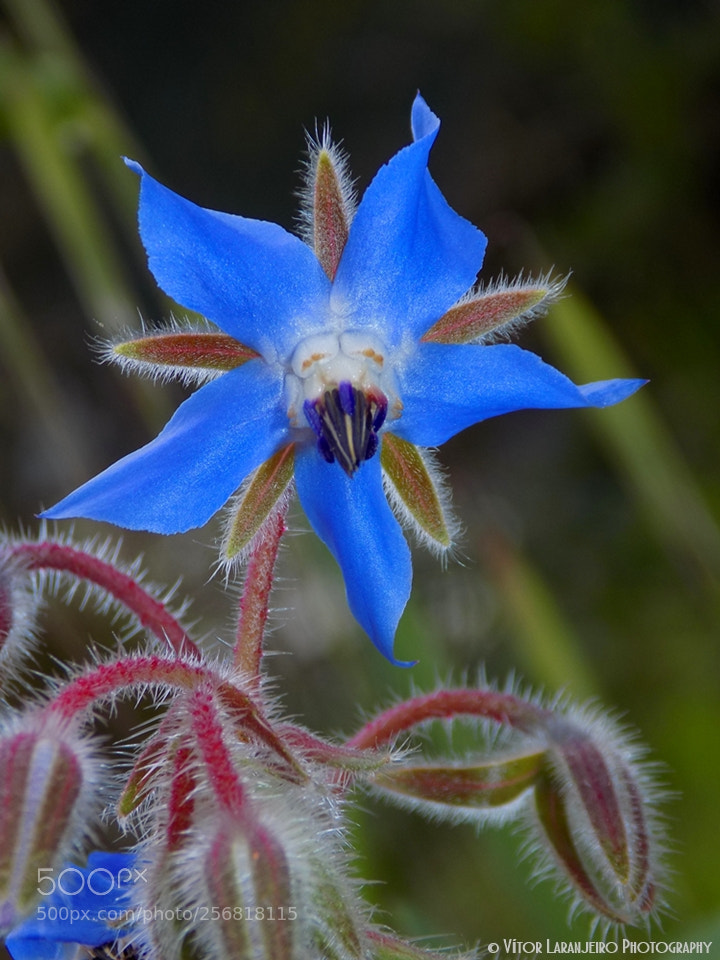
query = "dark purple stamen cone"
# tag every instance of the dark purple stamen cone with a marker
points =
(346, 422)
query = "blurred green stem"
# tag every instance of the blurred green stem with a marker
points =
(34, 379)
(637, 438)
(80, 233)
(549, 650)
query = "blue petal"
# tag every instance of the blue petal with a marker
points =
(25, 947)
(255, 280)
(179, 480)
(423, 122)
(101, 889)
(446, 388)
(409, 256)
(352, 517)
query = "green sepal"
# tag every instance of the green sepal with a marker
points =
(257, 501)
(488, 785)
(406, 470)
(138, 784)
(337, 935)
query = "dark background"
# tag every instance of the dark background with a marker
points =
(584, 135)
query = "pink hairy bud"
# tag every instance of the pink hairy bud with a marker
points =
(45, 777)
(247, 877)
(596, 809)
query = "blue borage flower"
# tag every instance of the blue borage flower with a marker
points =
(347, 355)
(84, 908)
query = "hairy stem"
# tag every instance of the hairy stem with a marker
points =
(256, 595)
(216, 757)
(504, 708)
(150, 612)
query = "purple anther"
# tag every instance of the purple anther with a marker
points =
(381, 404)
(313, 417)
(346, 392)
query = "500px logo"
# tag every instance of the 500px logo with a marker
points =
(100, 882)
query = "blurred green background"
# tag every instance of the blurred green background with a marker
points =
(584, 135)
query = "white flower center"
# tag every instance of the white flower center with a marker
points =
(322, 362)
(342, 387)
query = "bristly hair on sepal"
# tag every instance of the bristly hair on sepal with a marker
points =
(596, 827)
(494, 311)
(265, 492)
(320, 145)
(418, 491)
(192, 352)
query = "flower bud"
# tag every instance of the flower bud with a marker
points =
(595, 806)
(248, 880)
(45, 778)
(268, 883)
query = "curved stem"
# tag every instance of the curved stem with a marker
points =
(504, 708)
(151, 613)
(256, 595)
(218, 762)
(110, 679)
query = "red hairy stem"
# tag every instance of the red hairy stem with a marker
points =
(181, 803)
(236, 704)
(256, 595)
(108, 679)
(216, 757)
(152, 614)
(503, 708)
(346, 758)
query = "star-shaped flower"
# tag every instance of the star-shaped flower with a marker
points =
(80, 907)
(343, 355)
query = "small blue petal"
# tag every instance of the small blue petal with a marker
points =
(409, 256)
(446, 388)
(213, 441)
(256, 281)
(352, 517)
(423, 121)
(100, 890)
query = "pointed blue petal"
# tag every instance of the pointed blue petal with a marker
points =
(409, 256)
(56, 939)
(255, 280)
(180, 479)
(423, 122)
(352, 517)
(446, 388)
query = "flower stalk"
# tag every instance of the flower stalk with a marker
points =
(52, 555)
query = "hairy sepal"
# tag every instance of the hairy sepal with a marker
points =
(262, 493)
(193, 356)
(495, 310)
(327, 201)
(417, 492)
(491, 789)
